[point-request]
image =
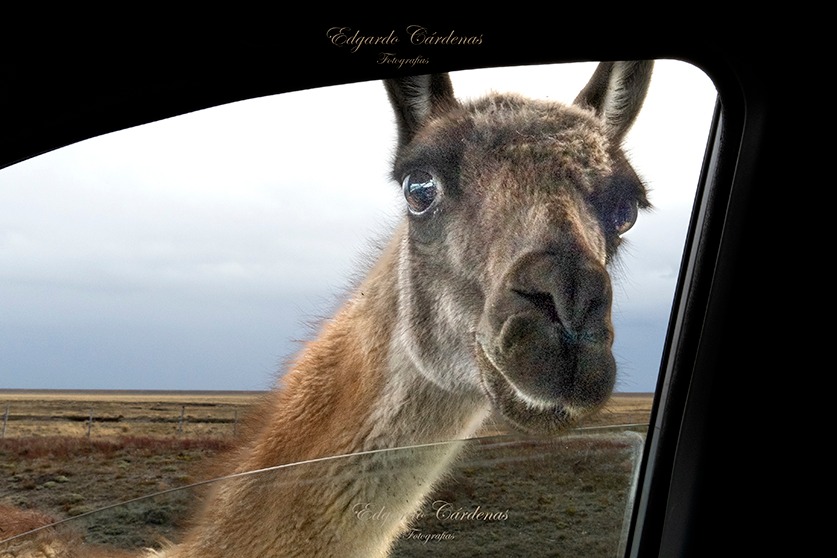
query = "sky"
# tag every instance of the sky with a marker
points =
(198, 252)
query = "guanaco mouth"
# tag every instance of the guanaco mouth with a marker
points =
(525, 412)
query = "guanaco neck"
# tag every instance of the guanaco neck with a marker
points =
(351, 390)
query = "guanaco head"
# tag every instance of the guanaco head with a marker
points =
(515, 208)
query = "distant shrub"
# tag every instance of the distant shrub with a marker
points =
(16, 520)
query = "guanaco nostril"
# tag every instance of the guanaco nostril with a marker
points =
(543, 302)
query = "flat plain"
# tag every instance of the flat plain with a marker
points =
(564, 496)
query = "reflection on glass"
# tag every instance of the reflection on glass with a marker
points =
(507, 495)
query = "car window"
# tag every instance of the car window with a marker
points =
(154, 281)
(506, 496)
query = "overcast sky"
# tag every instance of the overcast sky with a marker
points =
(195, 253)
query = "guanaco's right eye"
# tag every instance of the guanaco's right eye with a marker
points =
(624, 216)
(420, 191)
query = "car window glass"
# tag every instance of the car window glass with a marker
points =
(183, 261)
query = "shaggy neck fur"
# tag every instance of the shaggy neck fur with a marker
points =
(350, 391)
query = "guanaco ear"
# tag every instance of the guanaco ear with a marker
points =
(616, 92)
(416, 98)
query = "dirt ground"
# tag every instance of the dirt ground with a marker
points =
(507, 495)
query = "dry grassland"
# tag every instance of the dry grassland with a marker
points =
(122, 413)
(36, 413)
(573, 490)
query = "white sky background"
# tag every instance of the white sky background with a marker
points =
(193, 253)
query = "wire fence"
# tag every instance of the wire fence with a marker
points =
(193, 420)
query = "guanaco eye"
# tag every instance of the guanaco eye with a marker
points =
(420, 191)
(624, 216)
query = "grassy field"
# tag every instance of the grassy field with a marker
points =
(122, 413)
(39, 413)
(572, 490)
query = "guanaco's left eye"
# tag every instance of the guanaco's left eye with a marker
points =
(420, 190)
(624, 216)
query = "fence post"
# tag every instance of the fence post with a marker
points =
(5, 420)
(235, 422)
(180, 424)
(90, 423)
